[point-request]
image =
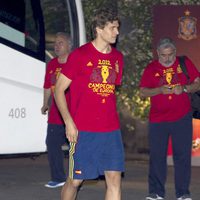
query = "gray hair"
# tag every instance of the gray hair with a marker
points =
(166, 43)
(66, 37)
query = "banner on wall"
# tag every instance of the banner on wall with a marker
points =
(182, 24)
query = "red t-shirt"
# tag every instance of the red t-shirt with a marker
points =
(52, 73)
(92, 91)
(168, 108)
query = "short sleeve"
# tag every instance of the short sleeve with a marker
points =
(146, 80)
(71, 68)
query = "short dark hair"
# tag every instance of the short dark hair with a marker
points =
(101, 17)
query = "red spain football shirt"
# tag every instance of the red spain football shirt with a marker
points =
(52, 73)
(94, 77)
(168, 108)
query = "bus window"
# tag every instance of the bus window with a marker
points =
(66, 16)
(22, 27)
(12, 21)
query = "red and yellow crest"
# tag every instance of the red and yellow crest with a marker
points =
(187, 27)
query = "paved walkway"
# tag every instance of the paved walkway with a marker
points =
(24, 179)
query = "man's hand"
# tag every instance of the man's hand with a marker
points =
(44, 109)
(71, 132)
(166, 89)
(178, 89)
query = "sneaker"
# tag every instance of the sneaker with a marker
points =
(54, 184)
(154, 197)
(185, 197)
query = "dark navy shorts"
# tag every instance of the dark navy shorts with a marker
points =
(95, 153)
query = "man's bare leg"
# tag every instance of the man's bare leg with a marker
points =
(69, 190)
(113, 183)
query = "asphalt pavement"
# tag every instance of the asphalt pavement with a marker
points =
(23, 178)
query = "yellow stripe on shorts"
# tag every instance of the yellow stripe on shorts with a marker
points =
(71, 159)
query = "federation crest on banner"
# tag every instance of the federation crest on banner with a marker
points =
(187, 27)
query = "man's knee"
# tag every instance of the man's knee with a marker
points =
(113, 179)
(75, 183)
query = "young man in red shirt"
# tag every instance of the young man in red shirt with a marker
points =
(170, 115)
(92, 124)
(56, 129)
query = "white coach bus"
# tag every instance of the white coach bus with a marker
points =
(22, 70)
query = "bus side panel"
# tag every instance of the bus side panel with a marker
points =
(22, 127)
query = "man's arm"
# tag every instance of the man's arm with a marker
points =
(149, 92)
(46, 96)
(61, 85)
(193, 87)
(189, 88)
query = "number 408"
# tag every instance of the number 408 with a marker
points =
(17, 113)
